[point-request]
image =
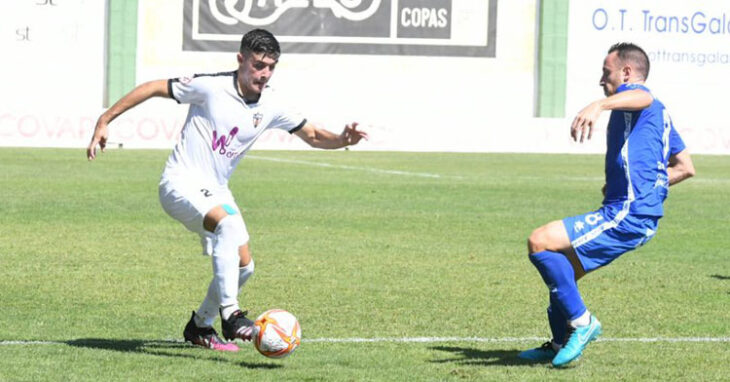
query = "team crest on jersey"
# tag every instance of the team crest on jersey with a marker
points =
(257, 119)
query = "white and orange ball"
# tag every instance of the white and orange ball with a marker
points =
(276, 333)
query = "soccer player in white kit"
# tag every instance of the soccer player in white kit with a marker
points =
(228, 112)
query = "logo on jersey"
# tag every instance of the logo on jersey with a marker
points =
(593, 219)
(578, 226)
(221, 143)
(588, 220)
(257, 119)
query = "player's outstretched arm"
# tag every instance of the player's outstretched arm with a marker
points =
(324, 139)
(138, 95)
(680, 167)
(630, 100)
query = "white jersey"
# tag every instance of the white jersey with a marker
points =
(220, 127)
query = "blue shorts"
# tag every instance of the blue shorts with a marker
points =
(600, 237)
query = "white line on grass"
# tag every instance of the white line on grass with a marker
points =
(509, 339)
(438, 176)
(346, 167)
(418, 340)
(7, 343)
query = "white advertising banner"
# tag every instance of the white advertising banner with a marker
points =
(402, 27)
(52, 71)
(419, 76)
(435, 75)
(688, 43)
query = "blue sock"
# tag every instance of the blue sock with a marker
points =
(558, 274)
(558, 323)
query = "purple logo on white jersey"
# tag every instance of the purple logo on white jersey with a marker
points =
(222, 142)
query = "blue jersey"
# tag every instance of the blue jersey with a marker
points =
(639, 144)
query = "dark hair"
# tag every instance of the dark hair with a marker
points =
(634, 54)
(260, 41)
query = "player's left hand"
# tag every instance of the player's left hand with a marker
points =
(101, 134)
(582, 127)
(351, 135)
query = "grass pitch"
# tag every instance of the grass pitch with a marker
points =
(97, 282)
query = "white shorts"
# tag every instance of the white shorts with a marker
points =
(188, 201)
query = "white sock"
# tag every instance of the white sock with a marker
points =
(208, 311)
(226, 311)
(200, 321)
(207, 241)
(583, 320)
(244, 273)
(229, 236)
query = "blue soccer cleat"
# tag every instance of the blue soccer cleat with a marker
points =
(578, 340)
(544, 353)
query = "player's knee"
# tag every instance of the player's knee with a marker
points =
(232, 228)
(537, 241)
(244, 273)
(212, 219)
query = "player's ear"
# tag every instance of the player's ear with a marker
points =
(626, 72)
(240, 58)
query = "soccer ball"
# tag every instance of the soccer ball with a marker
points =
(276, 333)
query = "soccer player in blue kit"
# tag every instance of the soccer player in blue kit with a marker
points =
(645, 155)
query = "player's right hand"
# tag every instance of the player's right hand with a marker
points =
(582, 127)
(351, 135)
(101, 133)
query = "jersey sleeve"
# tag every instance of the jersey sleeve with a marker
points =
(676, 144)
(289, 122)
(187, 89)
(286, 117)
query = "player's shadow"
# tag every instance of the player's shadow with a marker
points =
(721, 277)
(163, 348)
(476, 357)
